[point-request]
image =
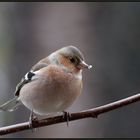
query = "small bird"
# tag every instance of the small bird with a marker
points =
(52, 85)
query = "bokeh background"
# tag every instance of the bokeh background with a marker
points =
(108, 34)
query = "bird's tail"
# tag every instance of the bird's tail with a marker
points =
(10, 105)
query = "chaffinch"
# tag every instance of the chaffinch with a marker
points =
(52, 85)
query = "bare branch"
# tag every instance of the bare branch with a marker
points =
(94, 112)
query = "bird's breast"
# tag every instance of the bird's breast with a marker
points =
(54, 91)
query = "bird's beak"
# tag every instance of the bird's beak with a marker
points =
(84, 65)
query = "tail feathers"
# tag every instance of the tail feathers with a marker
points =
(10, 105)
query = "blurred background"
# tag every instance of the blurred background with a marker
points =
(108, 34)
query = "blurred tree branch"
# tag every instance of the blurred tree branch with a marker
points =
(94, 113)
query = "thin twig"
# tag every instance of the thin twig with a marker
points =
(94, 112)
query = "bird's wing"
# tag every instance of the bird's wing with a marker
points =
(41, 64)
(29, 76)
(26, 79)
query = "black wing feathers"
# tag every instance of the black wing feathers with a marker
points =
(27, 78)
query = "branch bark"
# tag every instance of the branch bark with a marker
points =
(94, 113)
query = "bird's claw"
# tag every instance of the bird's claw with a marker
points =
(32, 121)
(67, 116)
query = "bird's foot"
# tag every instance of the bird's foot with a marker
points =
(67, 116)
(32, 121)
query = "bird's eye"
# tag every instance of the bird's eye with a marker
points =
(73, 60)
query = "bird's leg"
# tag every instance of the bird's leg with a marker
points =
(32, 120)
(67, 115)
